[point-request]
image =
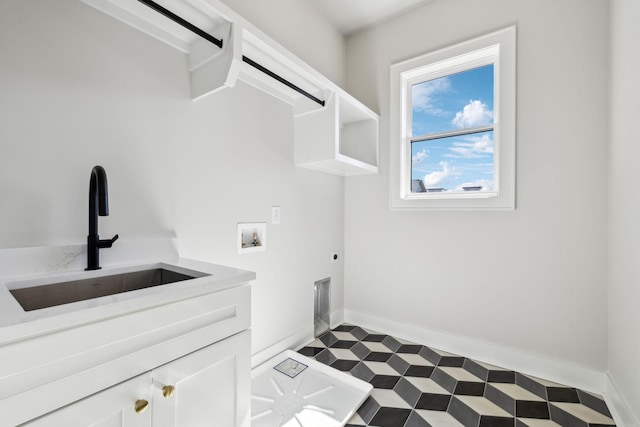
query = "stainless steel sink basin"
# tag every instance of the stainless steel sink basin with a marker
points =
(49, 295)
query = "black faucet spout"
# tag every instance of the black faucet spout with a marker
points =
(98, 206)
(98, 197)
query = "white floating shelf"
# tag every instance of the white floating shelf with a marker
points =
(340, 137)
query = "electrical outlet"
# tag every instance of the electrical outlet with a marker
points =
(275, 214)
(334, 257)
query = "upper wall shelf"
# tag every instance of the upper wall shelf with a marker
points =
(338, 130)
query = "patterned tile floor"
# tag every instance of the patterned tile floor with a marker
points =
(417, 386)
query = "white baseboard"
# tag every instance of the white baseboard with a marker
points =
(295, 341)
(292, 342)
(521, 361)
(621, 412)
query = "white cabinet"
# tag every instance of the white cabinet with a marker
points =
(194, 337)
(205, 388)
(114, 407)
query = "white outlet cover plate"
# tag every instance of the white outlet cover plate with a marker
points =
(275, 214)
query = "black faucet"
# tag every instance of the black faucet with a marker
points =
(98, 205)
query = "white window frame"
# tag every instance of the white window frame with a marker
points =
(497, 48)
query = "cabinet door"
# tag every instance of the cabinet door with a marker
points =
(113, 407)
(210, 387)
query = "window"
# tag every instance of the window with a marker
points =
(453, 126)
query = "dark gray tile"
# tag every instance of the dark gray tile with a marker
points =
(328, 339)
(430, 355)
(562, 394)
(326, 357)
(487, 421)
(398, 363)
(444, 380)
(368, 409)
(594, 403)
(451, 361)
(476, 369)
(500, 399)
(360, 350)
(390, 417)
(505, 377)
(358, 332)
(344, 328)
(434, 402)
(363, 372)
(464, 414)
(343, 344)
(469, 388)
(531, 385)
(415, 420)
(384, 381)
(407, 391)
(373, 338)
(419, 371)
(344, 365)
(532, 409)
(377, 356)
(409, 348)
(310, 351)
(391, 343)
(563, 418)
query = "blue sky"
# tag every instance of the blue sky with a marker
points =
(449, 103)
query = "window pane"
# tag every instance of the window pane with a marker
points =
(456, 101)
(457, 163)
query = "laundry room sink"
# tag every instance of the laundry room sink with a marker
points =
(64, 292)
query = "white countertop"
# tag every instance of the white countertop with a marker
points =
(17, 324)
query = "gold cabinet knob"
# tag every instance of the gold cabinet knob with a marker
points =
(168, 390)
(141, 405)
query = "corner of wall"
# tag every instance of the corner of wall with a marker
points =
(620, 410)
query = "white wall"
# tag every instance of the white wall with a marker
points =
(235, 163)
(76, 91)
(302, 29)
(532, 279)
(624, 209)
(79, 89)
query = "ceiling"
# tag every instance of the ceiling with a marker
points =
(349, 16)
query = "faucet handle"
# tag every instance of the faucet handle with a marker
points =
(107, 243)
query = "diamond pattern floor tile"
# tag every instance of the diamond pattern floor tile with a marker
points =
(439, 418)
(418, 386)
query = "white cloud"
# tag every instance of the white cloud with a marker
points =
(474, 147)
(434, 179)
(475, 113)
(419, 156)
(422, 95)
